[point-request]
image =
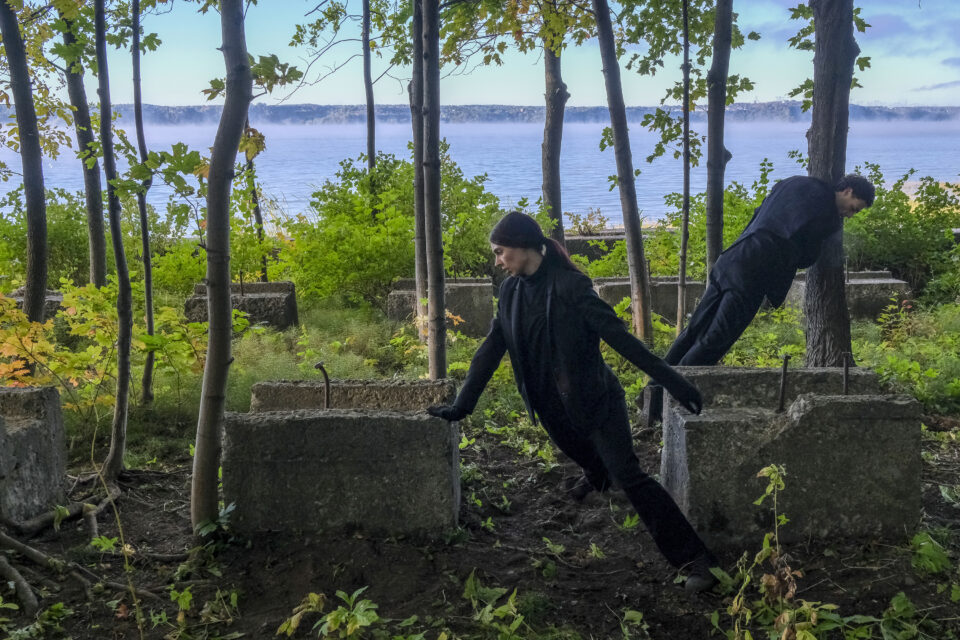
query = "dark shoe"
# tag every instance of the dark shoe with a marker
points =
(578, 489)
(700, 578)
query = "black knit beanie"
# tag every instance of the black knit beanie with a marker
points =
(518, 230)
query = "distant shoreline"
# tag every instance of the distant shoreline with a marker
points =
(314, 114)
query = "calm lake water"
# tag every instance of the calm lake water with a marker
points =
(299, 158)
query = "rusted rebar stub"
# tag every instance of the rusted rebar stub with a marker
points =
(846, 372)
(783, 385)
(326, 384)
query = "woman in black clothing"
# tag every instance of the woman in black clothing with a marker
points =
(551, 320)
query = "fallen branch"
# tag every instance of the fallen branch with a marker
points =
(142, 593)
(48, 519)
(90, 521)
(113, 492)
(30, 553)
(21, 586)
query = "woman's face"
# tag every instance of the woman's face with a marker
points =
(514, 260)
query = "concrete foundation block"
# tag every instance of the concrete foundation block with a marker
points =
(592, 247)
(470, 301)
(724, 387)
(867, 297)
(51, 302)
(32, 451)
(271, 303)
(663, 293)
(396, 395)
(385, 472)
(852, 461)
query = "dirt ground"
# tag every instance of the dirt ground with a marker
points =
(562, 593)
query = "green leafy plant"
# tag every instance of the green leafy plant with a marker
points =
(358, 240)
(6, 606)
(348, 620)
(929, 556)
(589, 224)
(908, 234)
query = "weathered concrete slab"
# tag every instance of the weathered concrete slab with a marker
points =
(854, 275)
(470, 302)
(32, 451)
(663, 293)
(408, 284)
(271, 303)
(385, 472)
(866, 297)
(254, 287)
(51, 302)
(852, 462)
(396, 395)
(724, 387)
(592, 247)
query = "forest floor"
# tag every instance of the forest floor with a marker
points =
(577, 570)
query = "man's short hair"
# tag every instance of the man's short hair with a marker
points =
(862, 188)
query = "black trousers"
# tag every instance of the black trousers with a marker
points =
(606, 454)
(717, 323)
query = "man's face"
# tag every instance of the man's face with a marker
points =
(848, 204)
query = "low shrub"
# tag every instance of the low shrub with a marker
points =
(911, 237)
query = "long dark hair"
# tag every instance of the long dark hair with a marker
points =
(556, 255)
(518, 229)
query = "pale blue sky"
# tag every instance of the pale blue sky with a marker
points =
(913, 45)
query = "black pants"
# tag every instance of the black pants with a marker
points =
(718, 321)
(607, 454)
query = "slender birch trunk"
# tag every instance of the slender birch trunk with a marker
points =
(239, 91)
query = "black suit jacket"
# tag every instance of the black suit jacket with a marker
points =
(576, 319)
(785, 234)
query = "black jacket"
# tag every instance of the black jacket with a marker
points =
(576, 318)
(785, 234)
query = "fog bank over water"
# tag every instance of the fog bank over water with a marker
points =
(299, 158)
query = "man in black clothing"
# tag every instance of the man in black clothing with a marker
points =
(785, 234)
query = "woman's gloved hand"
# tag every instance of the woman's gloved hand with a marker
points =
(451, 412)
(686, 394)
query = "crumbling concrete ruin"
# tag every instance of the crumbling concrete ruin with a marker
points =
(271, 303)
(868, 293)
(470, 300)
(663, 293)
(32, 451)
(852, 461)
(374, 461)
(593, 247)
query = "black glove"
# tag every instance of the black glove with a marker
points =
(686, 394)
(449, 412)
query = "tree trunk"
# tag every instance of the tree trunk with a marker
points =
(437, 325)
(416, 119)
(828, 319)
(147, 381)
(685, 220)
(206, 460)
(257, 211)
(113, 465)
(639, 277)
(368, 88)
(556, 96)
(31, 159)
(717, 154)
(93, 190)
